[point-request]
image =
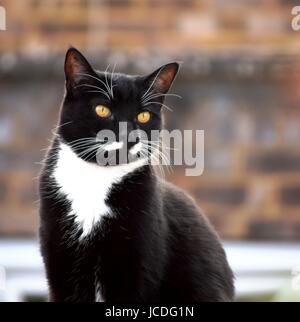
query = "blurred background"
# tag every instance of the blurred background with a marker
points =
(240, 82)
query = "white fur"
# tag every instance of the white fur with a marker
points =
(136, 148)
(98, 293)
(87, 185)
(114, 146)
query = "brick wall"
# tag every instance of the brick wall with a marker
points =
(143, 24)
(250, 186)
(28, 113)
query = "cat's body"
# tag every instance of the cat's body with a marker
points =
(121, 234)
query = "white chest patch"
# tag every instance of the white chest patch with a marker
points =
(87, 185)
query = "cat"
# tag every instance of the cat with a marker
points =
(120, 233)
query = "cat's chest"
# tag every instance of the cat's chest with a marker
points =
(86, 186)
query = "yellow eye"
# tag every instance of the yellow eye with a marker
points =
(103, 111)
(144, 117)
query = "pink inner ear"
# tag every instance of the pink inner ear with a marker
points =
(165, 78)
(73, 66)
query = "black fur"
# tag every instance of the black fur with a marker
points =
(157, 247)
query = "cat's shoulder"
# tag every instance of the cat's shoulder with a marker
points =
(176, 198)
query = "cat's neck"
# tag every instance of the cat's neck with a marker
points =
(87, 186)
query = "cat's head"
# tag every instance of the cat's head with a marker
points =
(98, 103)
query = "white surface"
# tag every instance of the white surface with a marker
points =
(16, 254)
(263, 257)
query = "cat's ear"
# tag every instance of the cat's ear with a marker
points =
(77, 68)
(162, 79)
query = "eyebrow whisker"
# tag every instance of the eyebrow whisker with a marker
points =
(106, 80)
(98, 79)
(111, 80)
(157, 95)
(161, 104)
(93, 86)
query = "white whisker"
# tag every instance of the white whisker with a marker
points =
(154, 150)
(157, 95)
(152, 83)
(161, 104)
(106, 80)
(159, 144)
(98, 79)
(55, 129)
(88, 151)
(111, 80)
(93, 86)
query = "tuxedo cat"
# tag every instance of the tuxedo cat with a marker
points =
(119, 233)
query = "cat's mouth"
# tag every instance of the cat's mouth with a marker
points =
(112, 153)
(118, 153)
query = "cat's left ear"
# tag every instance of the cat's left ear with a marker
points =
(77, 68)
(162, 79)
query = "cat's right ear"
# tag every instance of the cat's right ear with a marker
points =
(77, 68)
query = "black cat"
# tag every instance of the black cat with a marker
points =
(118, 233)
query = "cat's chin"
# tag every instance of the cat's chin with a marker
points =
(104, 163)
(118, 160)
(140, 161)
